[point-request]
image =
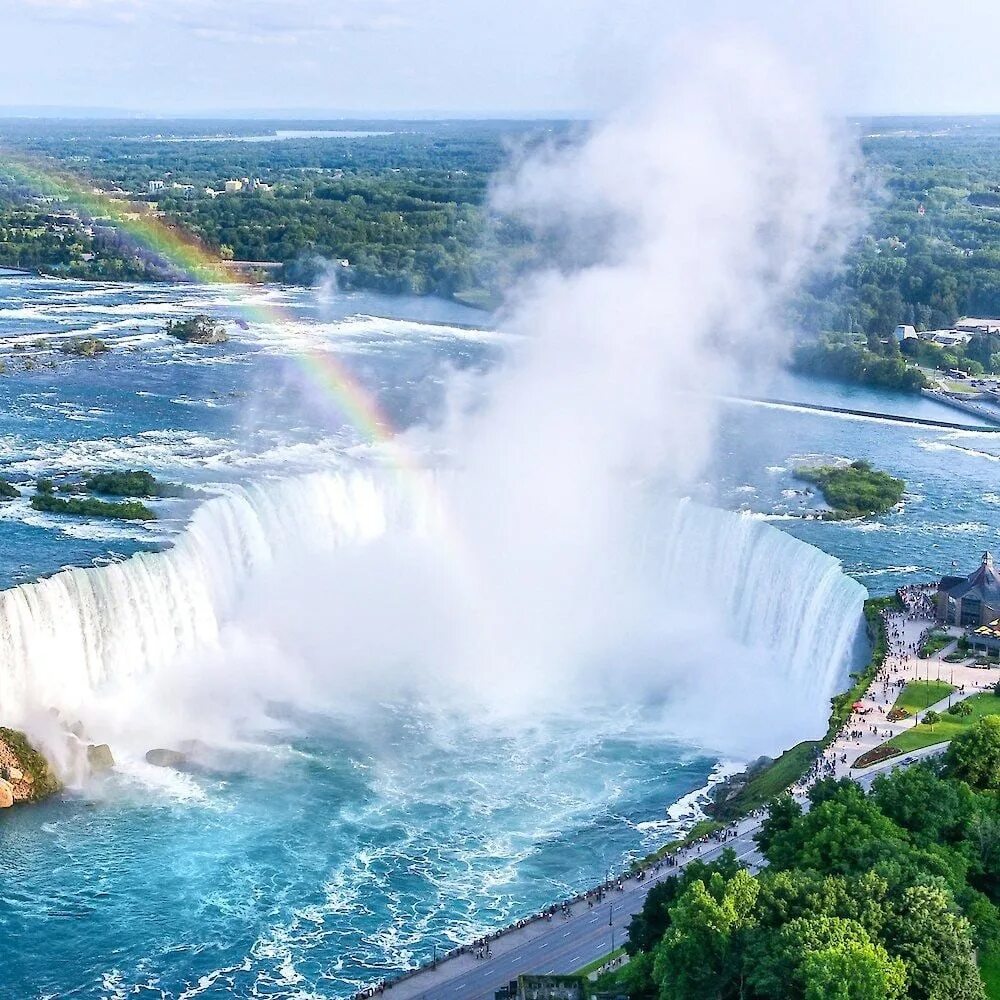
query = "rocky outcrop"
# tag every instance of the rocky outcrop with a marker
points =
(731, 787)
(100, 758)
(25, 775)
(198, 329)
(166, 758)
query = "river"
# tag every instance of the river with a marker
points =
(332, 840)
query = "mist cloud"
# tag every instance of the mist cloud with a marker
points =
(550, 567)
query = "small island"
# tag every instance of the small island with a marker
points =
(88, 347)
(46, 500)
(131, 483)
(854, 490)
(200, 329)
(8, 491)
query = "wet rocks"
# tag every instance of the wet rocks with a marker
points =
(100, 758)
(163, 757)
(25, 775)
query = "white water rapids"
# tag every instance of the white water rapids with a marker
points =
(777, 605)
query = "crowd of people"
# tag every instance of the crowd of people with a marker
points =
(902, 649)
(480, 949)
(918, 600)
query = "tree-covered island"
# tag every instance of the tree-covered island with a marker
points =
(854, 490)
(129, 510)
(198, 329)
(75, 501)
(132, 483)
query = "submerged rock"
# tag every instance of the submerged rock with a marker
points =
(100, 758)
(166, 758)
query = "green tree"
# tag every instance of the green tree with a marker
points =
(648, 926)
(974, 756)
(700, 956)
(918, 799)
(936, 945)
(842, 834)
(782, 815)
(853, 971)
(776, 964)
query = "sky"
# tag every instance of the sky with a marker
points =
(469, 57)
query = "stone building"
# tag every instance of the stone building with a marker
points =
(970, 601)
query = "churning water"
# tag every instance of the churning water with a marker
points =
(336, 828)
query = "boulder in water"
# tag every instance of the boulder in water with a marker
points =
(100, 757)
(166, 758)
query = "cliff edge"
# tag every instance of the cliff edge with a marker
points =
(25, 775)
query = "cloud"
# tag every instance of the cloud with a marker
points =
(293, 22)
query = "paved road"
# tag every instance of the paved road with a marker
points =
(558, 946)
(565, 945)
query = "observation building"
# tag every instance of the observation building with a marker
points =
(970, 601)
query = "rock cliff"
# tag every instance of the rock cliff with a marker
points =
(25, 775)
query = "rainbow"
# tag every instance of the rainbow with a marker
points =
(189, 256)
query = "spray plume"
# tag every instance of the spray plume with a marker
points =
(695, 212)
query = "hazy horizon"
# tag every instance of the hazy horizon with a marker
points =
(439, 59)
(284, 115)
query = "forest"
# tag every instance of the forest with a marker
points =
(866, 896)
(406, 205)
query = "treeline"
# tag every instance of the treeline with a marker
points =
(409, 211)
(848, 359)
(931, 252)
(874, 896)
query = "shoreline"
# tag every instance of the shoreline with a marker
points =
(899, 418)
(704, 831)
(8, 273)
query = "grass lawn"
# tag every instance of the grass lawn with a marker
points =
(598, 962)
(948, 727)
(918, 695)
(989, 968)
(935, 642)
(954, 385)
(773, 780)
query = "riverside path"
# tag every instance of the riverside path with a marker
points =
(564, 944)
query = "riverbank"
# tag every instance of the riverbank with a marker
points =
(731, 823)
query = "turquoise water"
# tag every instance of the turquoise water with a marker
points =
(952, 505)
(327, 849)
(317, 863)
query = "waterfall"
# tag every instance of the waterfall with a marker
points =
(66, 637)
(774, 591)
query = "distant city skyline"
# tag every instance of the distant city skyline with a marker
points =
(439, 58)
